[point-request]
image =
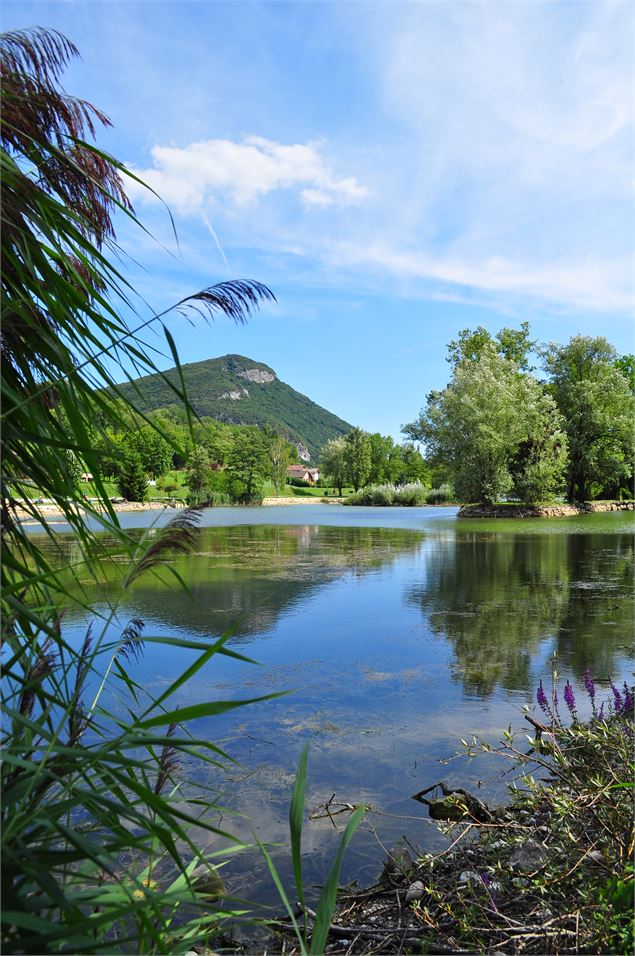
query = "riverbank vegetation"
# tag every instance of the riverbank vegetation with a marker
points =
(503, 432)
(549, 872)
(388, 495)
(85, 785)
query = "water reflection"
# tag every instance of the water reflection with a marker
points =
(497, 599)
(393, 643)
(246, 577)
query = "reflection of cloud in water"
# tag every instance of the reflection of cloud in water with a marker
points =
(405, 676)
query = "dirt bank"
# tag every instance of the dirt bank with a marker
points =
(543, 511)
(47, 510)
(301, 501)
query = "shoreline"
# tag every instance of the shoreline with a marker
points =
(543, 511)
(48, 510)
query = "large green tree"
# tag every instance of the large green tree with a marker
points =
(407, 465)
(279, 452)
(333, 462)
(248, 464)
(592, 390)
(132, 480)
(512, 344)
(357, 455)
(497, 429)
(381, 447)
(153, 450)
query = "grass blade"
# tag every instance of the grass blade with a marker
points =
(328, 897)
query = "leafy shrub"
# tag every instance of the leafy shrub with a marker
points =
(411, 495)
(441, 495)
(573, 777)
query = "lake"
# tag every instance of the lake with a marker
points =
(395, 633)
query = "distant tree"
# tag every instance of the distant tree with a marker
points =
(497, 429)
(217, 437)
(357, 452)
(153, 449)
(595, 397)
(333, 462)
(176, 434)
(248, 464)
(512, 344)
(199, 469)
(132, 480)
(110, 450)
(381, 447)
(279, 458)
(626, 365)
(409, 466)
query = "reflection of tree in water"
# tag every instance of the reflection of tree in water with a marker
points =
(249, 576)
(497, 598)
(599, 614)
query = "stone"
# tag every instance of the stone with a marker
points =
(415, 891)
(259, 375)
(448, 808)
(206, 881)
(595, 857)
(398, 865)
(528, 857)
(469, 876)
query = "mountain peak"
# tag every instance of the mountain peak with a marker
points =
(241, 391)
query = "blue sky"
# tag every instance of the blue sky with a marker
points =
(395, 172)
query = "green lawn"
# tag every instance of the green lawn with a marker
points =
(291, 491)
(172, 486)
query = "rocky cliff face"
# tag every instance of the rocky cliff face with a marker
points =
(235, 394)
(303, 452)
(258, 375)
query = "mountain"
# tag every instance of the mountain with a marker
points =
(238, 390)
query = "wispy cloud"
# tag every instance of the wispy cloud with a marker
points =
(491, 155)
(589, 284)
(192, 177)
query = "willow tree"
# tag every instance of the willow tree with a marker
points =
(497, 430)
(79, 789)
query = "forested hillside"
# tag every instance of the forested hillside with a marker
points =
(240, 391)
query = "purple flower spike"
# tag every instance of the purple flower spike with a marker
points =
(541, 697)
(590, 687)
(627, 708)
(618, 703)
(601, 712)
(569, 699)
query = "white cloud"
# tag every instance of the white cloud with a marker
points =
(492, 150)
(592, 284)
(511, 165)
(188, 179)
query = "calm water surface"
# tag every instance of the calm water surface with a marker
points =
(395, 631)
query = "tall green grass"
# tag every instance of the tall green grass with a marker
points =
(86, 784)
(311, 941)
(410, 495)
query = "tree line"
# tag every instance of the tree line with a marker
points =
(222, 463)
(500, 429)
